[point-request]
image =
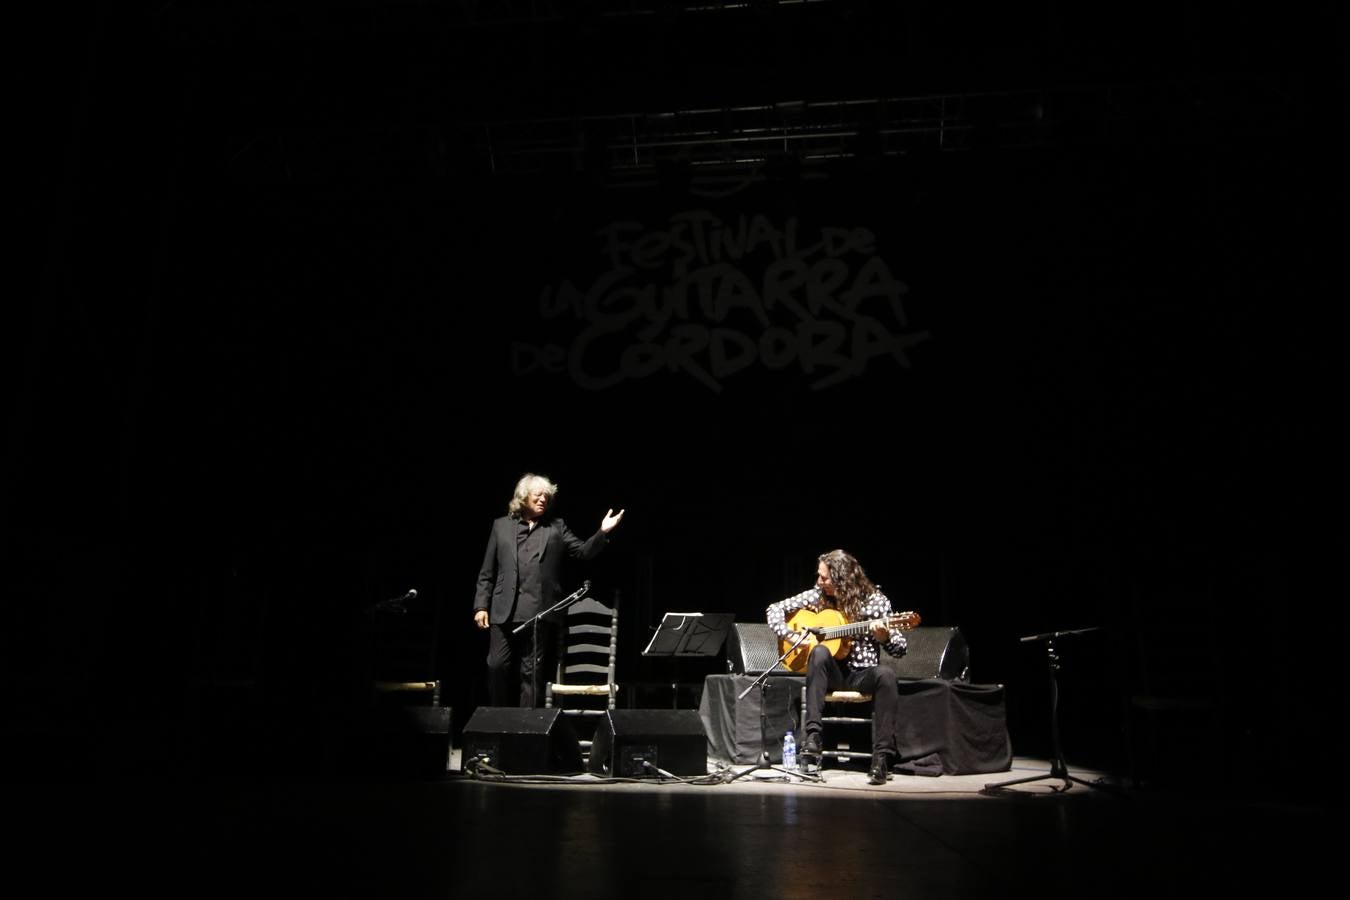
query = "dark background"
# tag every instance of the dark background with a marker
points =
(264, 379)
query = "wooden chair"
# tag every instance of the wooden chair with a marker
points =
(933, 652)
(403, 649)
(584, 684)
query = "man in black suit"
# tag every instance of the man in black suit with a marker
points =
(520, 577)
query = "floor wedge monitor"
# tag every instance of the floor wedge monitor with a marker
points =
(521, 741)
(643, 743)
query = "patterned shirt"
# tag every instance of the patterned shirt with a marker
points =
(863, 653)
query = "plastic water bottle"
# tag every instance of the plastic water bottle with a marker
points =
(789, 750)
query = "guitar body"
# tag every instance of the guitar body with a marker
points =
(803, 619)
(835, 633)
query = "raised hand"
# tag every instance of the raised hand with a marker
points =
(610, 520)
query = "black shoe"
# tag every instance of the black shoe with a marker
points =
(880, 772)
(810, 753)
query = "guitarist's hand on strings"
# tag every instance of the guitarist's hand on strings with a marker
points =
(881, 632)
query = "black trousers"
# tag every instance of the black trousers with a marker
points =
(517, 670)
(825, 674)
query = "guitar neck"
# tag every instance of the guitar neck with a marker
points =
(853, 629)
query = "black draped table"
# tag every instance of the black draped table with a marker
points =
(960, 727)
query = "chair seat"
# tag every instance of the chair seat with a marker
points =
(584, 690)
(406, 685)
(847, 697)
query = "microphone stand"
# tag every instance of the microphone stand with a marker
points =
(393, 604)
(762, 682)
(1059, 769)
(534, 637)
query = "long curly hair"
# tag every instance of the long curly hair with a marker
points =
(851, 585)
(528, 484)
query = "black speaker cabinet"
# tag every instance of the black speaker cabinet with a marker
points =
(935, 651)
(669, 739)
(411, 740)
(752, 647)
(522, 741)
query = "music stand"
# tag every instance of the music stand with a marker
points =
(1059, 769)
(688, 634)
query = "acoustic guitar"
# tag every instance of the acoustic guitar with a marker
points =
(834, 631)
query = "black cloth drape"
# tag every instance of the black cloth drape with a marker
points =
(963, 725)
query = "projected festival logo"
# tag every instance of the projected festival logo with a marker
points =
(711, 300)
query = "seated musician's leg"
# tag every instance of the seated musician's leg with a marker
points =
(822, 676)
(880, 683)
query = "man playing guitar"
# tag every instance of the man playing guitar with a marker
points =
(842, 585)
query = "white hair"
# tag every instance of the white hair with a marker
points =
(528, 484)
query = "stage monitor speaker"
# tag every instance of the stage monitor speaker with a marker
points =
(935, 651)
(672, 740)
(522, 741)
(752, 647)
(410, 740)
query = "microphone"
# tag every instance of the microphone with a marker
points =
(396, 604)
(586, 586)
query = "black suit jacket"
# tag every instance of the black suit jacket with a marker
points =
(497, 578)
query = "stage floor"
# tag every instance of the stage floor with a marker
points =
(835, 777)
(454, 836)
